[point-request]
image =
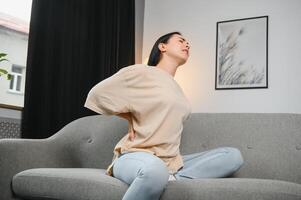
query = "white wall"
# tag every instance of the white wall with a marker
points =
(139, 19)
(196, 19)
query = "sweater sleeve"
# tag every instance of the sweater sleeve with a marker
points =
(109, 96)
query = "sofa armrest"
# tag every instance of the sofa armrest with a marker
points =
(17, 155)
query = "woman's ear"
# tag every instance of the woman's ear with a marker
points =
(161, 47)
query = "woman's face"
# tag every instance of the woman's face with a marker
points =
(177, 48)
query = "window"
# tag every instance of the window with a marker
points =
(14, 30)
(15, 82)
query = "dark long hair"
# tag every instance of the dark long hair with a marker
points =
(154, 56)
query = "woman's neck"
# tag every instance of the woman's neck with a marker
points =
(169, 67)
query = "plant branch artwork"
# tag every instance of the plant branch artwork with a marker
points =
(242, 53)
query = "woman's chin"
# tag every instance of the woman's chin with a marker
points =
(183, 61)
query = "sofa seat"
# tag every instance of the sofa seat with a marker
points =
(93, 184)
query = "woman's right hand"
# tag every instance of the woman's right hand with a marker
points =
(131, 131)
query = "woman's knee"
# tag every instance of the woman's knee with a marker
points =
(235, 156)
(155, 175)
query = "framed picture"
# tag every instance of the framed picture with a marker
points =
(242, 53)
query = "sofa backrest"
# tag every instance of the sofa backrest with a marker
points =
(269, 143)
(89, 141)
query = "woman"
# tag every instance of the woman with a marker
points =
(155, 106)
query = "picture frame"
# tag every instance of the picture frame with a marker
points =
(242, 53)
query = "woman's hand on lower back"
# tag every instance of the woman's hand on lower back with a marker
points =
(128, 117)
(131, 132)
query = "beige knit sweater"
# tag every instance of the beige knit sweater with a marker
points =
(157, 105)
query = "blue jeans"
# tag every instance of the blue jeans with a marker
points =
(148, 175)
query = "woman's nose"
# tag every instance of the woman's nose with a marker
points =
(187, 45)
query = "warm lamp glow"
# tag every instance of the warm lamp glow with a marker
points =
(145, 60)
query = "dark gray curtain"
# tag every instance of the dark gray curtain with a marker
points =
(73, 44)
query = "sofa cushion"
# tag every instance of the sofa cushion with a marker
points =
(67, 183)
(93, 184)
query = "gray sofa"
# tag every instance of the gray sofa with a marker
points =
(71, 164)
